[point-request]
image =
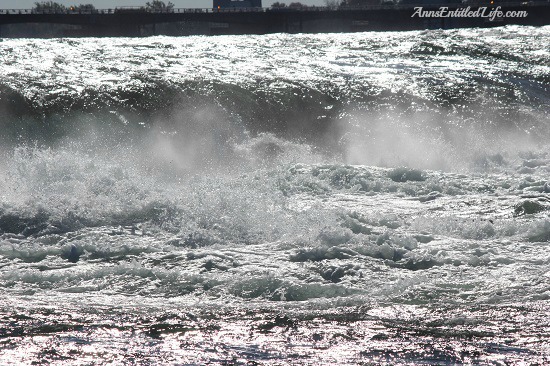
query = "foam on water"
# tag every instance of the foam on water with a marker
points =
(321, 176)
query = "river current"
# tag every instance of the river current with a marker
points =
(366, 198)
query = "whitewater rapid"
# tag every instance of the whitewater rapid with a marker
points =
(303, 199)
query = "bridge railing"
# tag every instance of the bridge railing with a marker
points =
(122, 10)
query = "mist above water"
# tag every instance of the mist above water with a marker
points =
(390, 99)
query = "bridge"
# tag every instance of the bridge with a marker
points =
(396, 6)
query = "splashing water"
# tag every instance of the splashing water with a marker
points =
(312, 199)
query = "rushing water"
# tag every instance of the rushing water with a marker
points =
(281, 199)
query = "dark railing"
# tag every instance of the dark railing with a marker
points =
(128, 9)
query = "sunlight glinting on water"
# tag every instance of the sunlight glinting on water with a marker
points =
(316, 199)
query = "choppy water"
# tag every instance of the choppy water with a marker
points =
(282, 199)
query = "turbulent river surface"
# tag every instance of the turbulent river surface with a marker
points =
(367, 198)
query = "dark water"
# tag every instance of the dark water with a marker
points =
(373, 198)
